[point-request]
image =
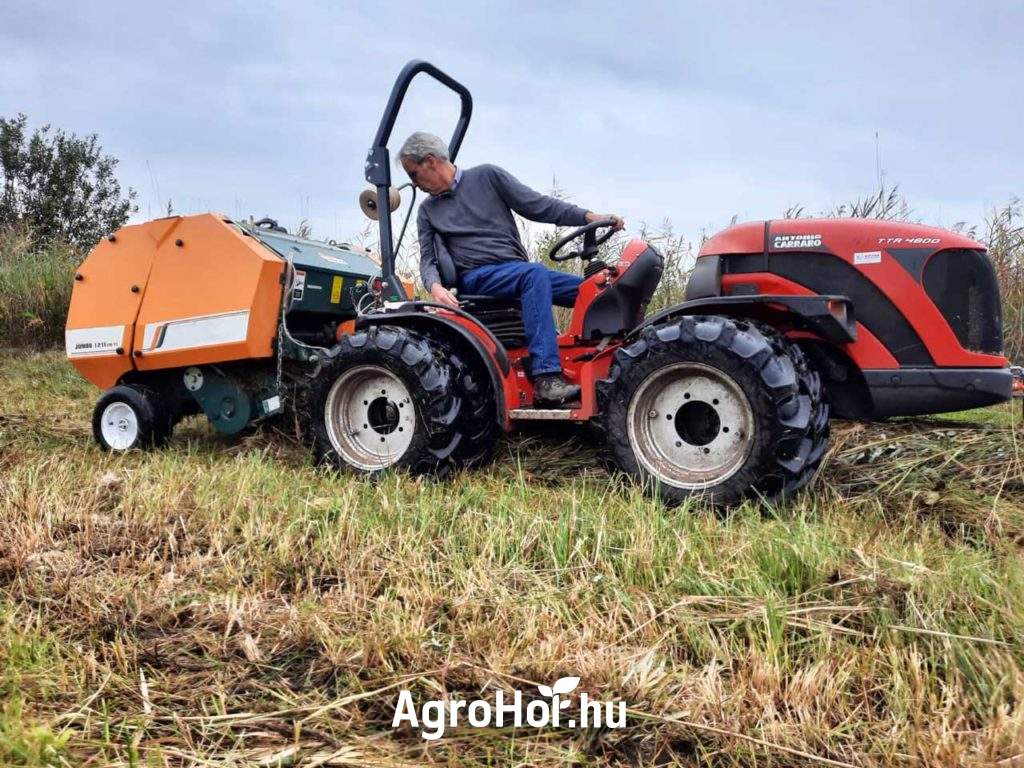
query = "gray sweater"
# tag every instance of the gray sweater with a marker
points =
(474, 221)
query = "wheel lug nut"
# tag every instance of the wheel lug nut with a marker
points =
(653, 414)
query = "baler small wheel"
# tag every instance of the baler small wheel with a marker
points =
(129, 417)
(384, 400)
(712, 406)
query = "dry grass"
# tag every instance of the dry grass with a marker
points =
(1004, 234)
(223, 603)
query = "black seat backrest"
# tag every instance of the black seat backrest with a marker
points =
(445, 263)
(620, 307)
(503, 317)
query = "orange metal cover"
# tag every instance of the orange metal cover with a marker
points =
(207, 294)
(101, 317)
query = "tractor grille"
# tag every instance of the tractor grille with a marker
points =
(963, 286)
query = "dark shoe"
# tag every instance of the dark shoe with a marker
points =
(551, 389)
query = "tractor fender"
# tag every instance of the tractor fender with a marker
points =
(431, 324)
(830, 317)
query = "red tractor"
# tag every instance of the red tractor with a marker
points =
(728, 394)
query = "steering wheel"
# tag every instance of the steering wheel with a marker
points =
(590, 241)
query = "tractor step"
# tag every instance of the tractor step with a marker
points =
(541, 414)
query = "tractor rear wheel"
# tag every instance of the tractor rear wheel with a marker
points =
(477, 423)
(713, 406)
(129, 417)
(384, 399)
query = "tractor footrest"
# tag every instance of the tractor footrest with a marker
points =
(541, 414)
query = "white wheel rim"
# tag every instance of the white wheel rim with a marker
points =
(370, 417)
(690, 425)
(119, 426)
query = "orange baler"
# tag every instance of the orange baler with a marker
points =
(184, 314)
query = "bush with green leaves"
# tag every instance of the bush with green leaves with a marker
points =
(60, 186)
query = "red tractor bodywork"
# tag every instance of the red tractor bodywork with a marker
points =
(926, 303)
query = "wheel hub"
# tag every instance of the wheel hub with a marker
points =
(370, 417)
(119, 426)
(697, 423)
(690, 425)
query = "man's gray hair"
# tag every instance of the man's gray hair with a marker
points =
(421, 144)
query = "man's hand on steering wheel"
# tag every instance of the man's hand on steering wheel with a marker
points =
(619, 223)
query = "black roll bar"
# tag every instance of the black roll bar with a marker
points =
(378, 159)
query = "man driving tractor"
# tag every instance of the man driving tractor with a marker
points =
(469, 215)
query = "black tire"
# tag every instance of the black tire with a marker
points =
(762, 385)
(130, 417)
(815, 443)
(478, 423)
(344, 425)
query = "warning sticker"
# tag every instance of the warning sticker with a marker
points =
(867, 257)
(336, 289)
(299, 286)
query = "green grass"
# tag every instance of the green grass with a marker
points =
(875, 620)
(35, 290)
(28, 656)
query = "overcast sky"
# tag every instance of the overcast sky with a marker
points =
(690, 111)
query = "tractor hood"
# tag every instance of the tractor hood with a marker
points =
(831, 236)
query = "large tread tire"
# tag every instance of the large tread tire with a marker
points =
(142, 421)
(478, 422)
(415, 362)
(816, 440)
(790, 422)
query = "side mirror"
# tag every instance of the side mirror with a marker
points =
(368, 202)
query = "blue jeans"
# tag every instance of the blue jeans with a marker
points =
(538, 288)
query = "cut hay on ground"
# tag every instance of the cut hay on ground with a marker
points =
(224, 603)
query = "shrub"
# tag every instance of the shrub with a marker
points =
(60, 186)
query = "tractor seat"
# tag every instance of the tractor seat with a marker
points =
(502, 317)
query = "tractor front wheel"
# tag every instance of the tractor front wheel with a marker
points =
(713, 406)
